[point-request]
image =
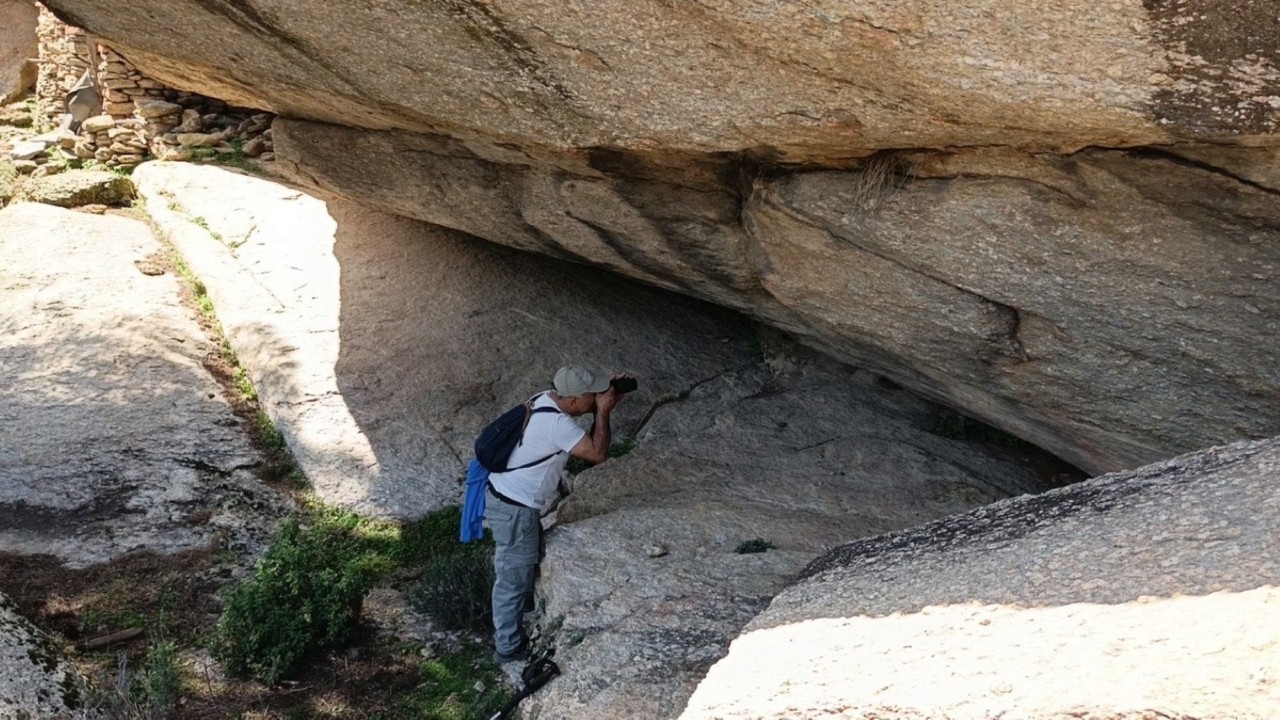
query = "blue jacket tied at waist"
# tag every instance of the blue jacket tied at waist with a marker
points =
(473, 506)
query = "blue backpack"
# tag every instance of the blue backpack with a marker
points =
(493, 449)
(499, 438)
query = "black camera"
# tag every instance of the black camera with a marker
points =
(624, 385)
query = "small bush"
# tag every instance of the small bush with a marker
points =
(160, 682)
(148, 695)
(305, 594)
(757, 545)
(456, 588)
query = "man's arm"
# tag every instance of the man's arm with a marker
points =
(594, 446)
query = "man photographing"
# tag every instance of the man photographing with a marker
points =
(517, 497)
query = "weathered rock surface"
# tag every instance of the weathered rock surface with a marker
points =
(35, 680)
(79, 187)
(820, 81)
(682, 154)
(643, 584)
(381, 345)
(1114, 307)
(1108, 306)
(18, 20)
(116, 438)
(1151, 593)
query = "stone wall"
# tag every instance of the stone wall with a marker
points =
(140, 115)
(64, 52)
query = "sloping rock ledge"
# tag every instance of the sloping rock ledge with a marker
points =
(1145, 594)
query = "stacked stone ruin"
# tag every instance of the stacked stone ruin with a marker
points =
(64, 53)
(141, 117)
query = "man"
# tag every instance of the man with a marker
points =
(517, 498)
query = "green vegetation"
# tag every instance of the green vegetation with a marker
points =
(622, 447)
(456, 579)
(291, 632)
(305, 593)
(434, 535)
(203, 224)
(121, 604)
(201, 293)
(448, 687)
(455, 589)
(757, 545)
(249, 392)
(616, 450)
(152, 693)
(160, 681)
(236, 158)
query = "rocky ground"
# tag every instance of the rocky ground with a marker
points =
(135, 478)
(118, 437)
(1149, 594)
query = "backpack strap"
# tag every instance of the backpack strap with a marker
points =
(529, 411)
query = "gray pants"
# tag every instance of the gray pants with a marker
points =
(517, 535)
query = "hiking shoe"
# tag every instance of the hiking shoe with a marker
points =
(511, 673)
(516, 657)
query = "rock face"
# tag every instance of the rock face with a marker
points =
(804, 83)
(1134, 595)
(381, 345)
(912, 187)
(18, 20)
(116, 437)
(647, 577)
(1107, 306)
(35, 680)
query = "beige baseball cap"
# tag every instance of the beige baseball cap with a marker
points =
(575, 380)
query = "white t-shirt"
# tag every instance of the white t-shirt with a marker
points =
(546, 433)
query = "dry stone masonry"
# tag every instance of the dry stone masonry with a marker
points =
(63, 59)
(140, 117)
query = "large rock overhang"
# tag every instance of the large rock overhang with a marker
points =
(916, 187)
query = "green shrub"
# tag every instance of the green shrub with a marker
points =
(147, 695)
(758, 545)
(160, 682)
(305, 594)
(456, 586)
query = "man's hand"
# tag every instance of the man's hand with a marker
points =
(594, 448)
(607, 399)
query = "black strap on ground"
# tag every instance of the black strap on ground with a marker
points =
(537, 673)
